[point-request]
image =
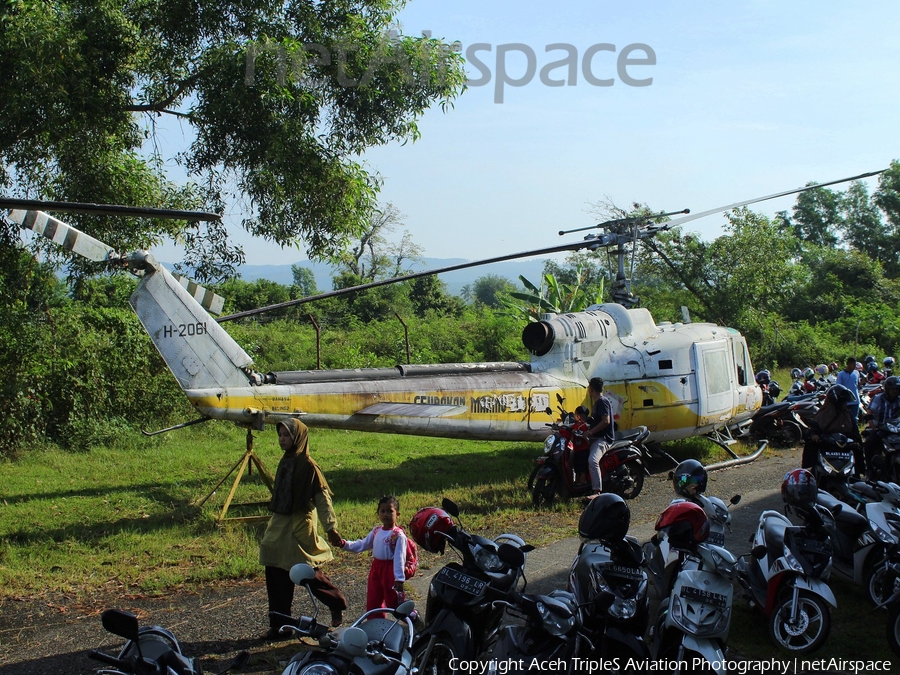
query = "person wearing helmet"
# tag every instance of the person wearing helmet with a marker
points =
(763, 378)
(883, 408)
(888, 366)
(833, 418)
(601, 432)
(690, 479)
(873, 375)
(809, 385)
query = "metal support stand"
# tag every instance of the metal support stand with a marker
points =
(245, 463)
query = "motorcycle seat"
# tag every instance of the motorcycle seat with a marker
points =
(845, 518)
(391, 634)
(866, 492)
(630, 434)
(766, 409)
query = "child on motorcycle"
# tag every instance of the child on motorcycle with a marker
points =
(387, 542)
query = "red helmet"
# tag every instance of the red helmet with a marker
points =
(799, 488)
(687, 524)
(428, 527)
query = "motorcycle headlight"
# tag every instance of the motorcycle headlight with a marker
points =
(555, 624)
(790, 561)
(599, 583)
(487, 559)
(727, 568)
(883, 535)
(318, 669)
(622, 608)
(548, 444)
(709, 624)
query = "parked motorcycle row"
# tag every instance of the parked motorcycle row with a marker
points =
(478, 610)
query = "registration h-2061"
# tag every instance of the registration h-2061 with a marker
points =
(184, 329)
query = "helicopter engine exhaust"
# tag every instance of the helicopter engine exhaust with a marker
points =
(538, 338)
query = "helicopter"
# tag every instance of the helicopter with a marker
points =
(677, 379)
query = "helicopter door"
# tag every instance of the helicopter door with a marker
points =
(715, 389)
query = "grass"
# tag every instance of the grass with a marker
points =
(123, 520)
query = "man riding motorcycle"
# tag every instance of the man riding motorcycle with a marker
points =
(833, 417)
(885, 406)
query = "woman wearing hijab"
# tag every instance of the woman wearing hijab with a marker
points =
(300, 499)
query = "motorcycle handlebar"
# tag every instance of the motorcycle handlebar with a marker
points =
(120, 664)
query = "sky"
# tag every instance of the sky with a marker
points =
(745, 99)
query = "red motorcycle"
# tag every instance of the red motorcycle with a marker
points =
(561, 471)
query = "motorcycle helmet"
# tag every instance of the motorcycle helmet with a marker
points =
(888, 362)
(607, 518)
(822, 369)
(762, 377)
(839, 395)
(871, 367)
(428, 527)
(796, 373)
(799, 488)
(869, 359)
(859, 366)
(774, 389)
(833, 367)
(686, 524)
(809, 373)
(891, 387)
(689, 478)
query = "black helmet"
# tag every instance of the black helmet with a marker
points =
(762, 377)
(606, 518)
(869, 359)
(796, 373)
(689, 478)
(892, 384)
(774, 389)
(839, 395)
(799, 488)
(871, 366)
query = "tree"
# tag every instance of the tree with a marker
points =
(304, 280)
(372, 256)
(278, 99)
(488, 290)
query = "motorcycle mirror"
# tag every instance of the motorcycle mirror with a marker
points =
(121, 623)
(735, 500)
(548, 410)
(511, 555)
(758, 552)
(671, 475)
(353, 641)
(450, 507)
(559, 398)
(405, 609)
(301, 574)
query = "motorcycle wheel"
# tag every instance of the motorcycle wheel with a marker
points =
(634, 480)
(788, 436)
(893, 628)
(876, 585)
(544, 491)
(443, 653)
(810, 630)
(534, 473)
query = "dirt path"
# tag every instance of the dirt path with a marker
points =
(216, 621)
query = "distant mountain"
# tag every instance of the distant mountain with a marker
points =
(530, 269)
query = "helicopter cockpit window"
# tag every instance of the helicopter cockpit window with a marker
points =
(741, 361)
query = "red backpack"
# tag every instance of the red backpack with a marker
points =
(412, 556)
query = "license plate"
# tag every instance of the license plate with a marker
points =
(621, 571)
(461, 581)
(715, 599)
(716, 538)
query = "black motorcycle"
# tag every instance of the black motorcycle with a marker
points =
(885, 465)
(461, 614)
(835, 465)
(779, 423)
(149, 650)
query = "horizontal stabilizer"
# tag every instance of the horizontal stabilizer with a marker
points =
(211, 302)
(413, 410)
(68, 237)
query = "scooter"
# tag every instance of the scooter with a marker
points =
(778, 423)
(370, 646)
(555, 473)
(461, 616)
(784, 575)
(886, 464)
(835, 465)
(693, 622)
(150, 650)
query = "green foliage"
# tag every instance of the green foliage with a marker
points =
(279, 98)
(584, 288)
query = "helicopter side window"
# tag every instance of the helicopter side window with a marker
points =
(740, 361)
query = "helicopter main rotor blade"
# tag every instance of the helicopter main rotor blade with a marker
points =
(722, 209)
(66, 236)
(587, 243)
(106, 209)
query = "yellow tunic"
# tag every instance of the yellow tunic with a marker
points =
(292, 539)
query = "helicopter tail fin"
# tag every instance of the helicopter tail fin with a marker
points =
(198, 351)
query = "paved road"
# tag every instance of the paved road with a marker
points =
(219, 620)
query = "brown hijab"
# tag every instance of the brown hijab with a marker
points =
(298, 478)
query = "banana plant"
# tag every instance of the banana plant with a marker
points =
(554, 296)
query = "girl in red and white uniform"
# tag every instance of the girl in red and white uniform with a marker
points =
(388, 545)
